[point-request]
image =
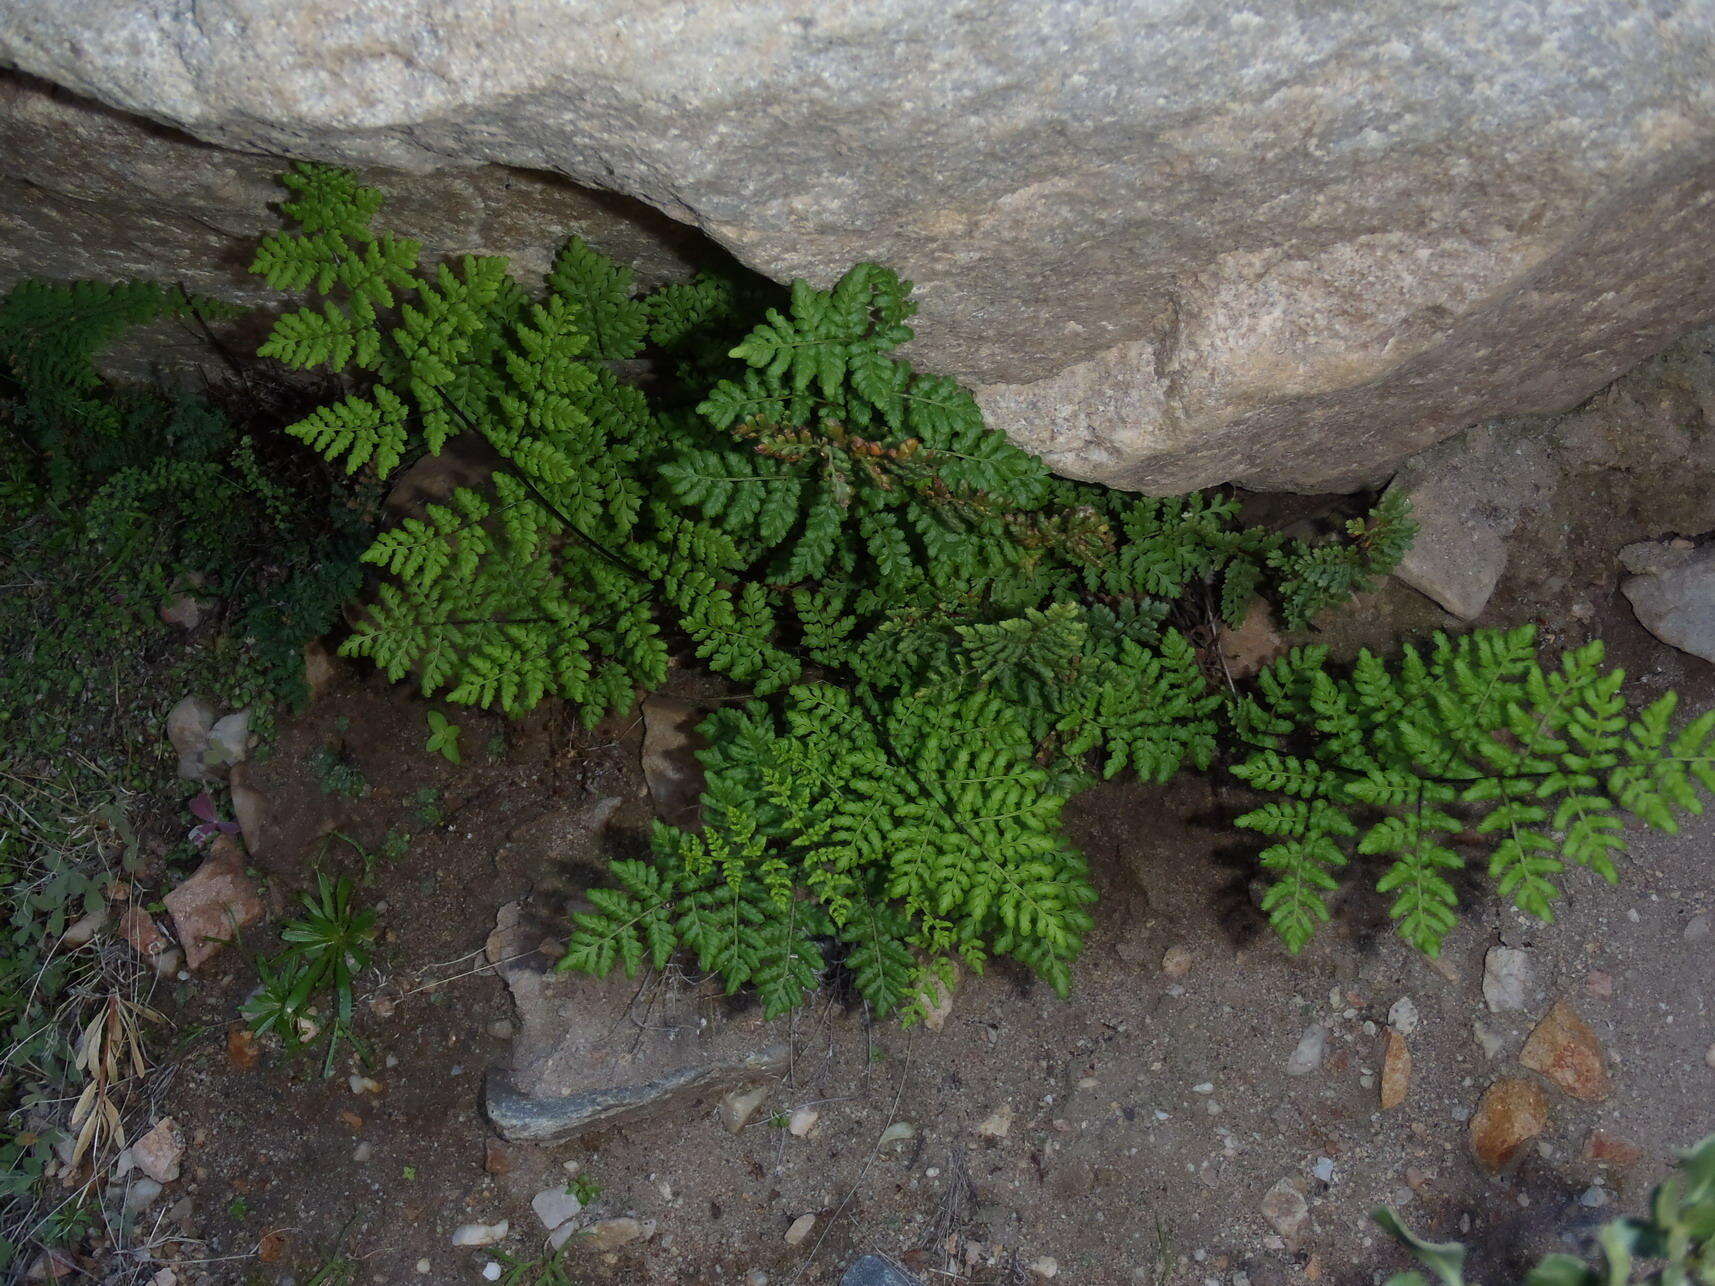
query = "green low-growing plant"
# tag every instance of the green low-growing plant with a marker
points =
(327, 946)
(944, 641)
(1471, 739)
(114, 499)
(1673, 1244)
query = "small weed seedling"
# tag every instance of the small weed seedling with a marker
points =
(327, 947)
(443, 737)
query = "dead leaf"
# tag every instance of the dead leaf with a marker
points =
(272, 1246)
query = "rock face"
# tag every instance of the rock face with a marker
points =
(1537, 496)
(1173, 244)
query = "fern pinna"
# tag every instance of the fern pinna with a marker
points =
(1470, 741)
(801, 506)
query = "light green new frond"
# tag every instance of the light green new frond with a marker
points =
(358, 431)
(601, 289)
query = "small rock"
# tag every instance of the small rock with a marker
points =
(1396, 1071)
(211, 906)
(1403, 1016)
(249, 810)
(756, 1277)
(1490, 1040)
(1675, 600)
(739, 1104)
(1506, 978)
(188, 725)
(611, 1234)
(936, 999)
(1176, 963)
(1306, 1057)
(363, 1084)
(243, 1051)
(1512, 1112)
(1045, 1266)
(362, 1152)
(554, 1206)
(501, 1029)
(158, 1152)
(140, 1195)
(898, 1132)
(320, 668)
(184, 610)
(802, 1122)
(166, 1277)
(1699, 927)
(423, 1266)
(1324, 1169)
(1285, 1208)
(139, 929)
(1252, 645)
(1709, 1057)
(800, 1229)
(495, 1158)
(1609, 1149)
(1599, 985)
(481, 1234)
(670, 766)
(228, 741)
(998, 1124)
(491, 1271)
(1594, 1198)
(83, 931)
(874, 1270)
(1564, 1049)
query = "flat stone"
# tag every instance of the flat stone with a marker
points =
(593, 1053)
(1564, 1049)
(1172, 246)
(1512, 1112)
(1610, 1149)
(670, 765)
(213, 905)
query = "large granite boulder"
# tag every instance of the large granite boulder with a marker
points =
(1172, 241)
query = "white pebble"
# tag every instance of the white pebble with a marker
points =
(800, 1229)
(1403, 1017)
(491, 1271)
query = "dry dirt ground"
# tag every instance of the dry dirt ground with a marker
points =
(1132, 1130)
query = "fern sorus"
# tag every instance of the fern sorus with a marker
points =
(1471, 745)
(952, 638)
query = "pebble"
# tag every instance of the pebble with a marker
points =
(1564, 1049)
(1176, 963)
(1324, 1169)
(800, 1229)
(1491, 1041)
(554, 1206)
(423, 1266)
(756, 1277)
(1699, 927)
(1285, 1208)
(802, 1122)
(1593, 1197)
(1506, 978)
(1307, 1056)
(363, 1084)
(480, 1234)
(1403, 1016)
(998, 1124)
(1045, 1267)
(362, 1152)
(491, 1271)
(607, 1233)
(739, 1104)
(1709, 1057)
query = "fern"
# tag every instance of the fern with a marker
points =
(1473, 744)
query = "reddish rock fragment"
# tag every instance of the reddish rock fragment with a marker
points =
(242, 1051)
(214, 904)
(1609, 1149)
(1512, 1112)
(1396, 1071)
(139, 929)
(1564, 1049)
